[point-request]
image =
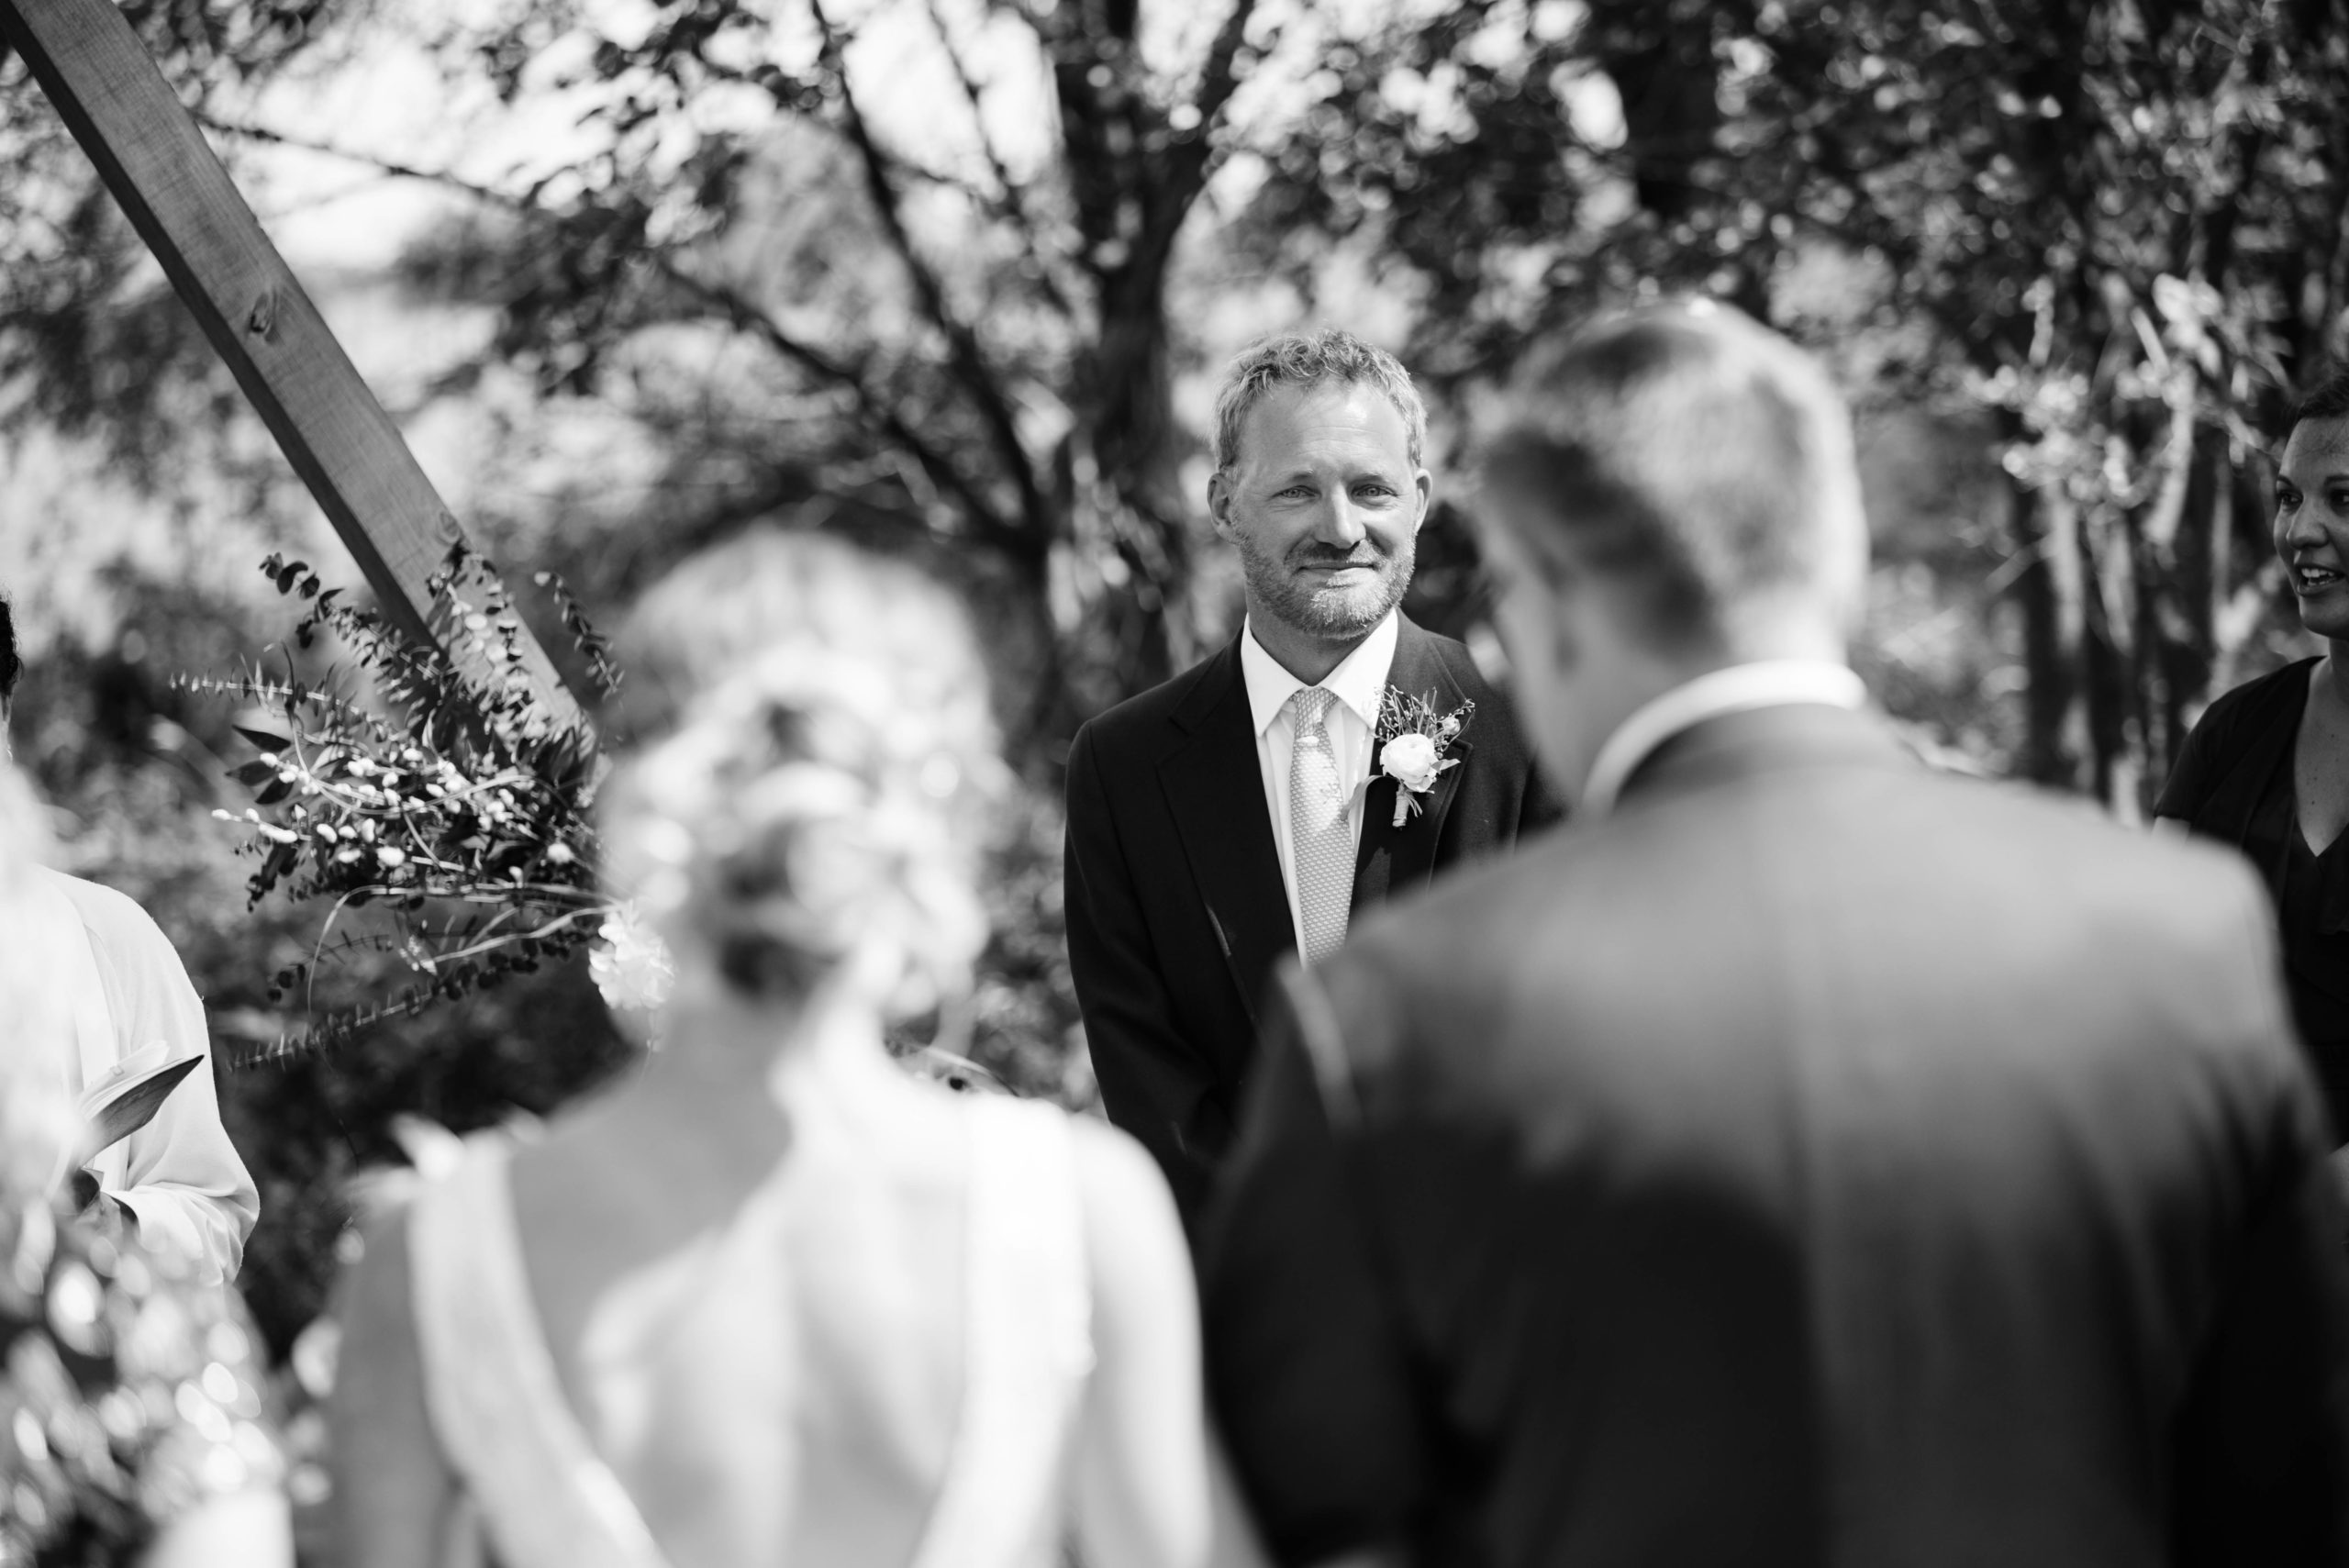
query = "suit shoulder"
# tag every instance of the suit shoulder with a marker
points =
(2151, 895)
(2198, 880)
(2180, 927)
(1145, 714)
(1495, 715)
(1461, 660)
(1465, 904)
(1461, 938)
(1419, 645)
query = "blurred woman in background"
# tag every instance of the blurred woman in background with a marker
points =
(2267, 768)
(775, 1301)
(132, 1393)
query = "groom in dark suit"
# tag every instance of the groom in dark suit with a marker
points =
(1251, 806)
(1802, 1158)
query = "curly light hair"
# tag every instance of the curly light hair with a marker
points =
(713, 614)
(823, 805)
(1309, 358)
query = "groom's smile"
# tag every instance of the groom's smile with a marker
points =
(1349, 568)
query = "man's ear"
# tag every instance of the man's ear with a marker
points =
(1424, 482)
(1220, 503)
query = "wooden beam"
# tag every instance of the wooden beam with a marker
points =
(155, 159)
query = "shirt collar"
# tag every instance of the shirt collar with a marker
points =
(1358, 681)
(1776, 682)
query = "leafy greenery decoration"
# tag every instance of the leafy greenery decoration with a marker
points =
(461, 809)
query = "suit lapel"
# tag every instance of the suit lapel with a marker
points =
(1392, 860)
(1215, 789)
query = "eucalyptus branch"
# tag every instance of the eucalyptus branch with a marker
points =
(539, 934)
(455, 802)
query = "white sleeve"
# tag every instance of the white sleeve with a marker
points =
(184, 1180)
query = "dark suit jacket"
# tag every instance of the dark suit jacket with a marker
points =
(1177, 910)
(1816, 1161)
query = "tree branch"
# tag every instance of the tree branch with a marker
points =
(969, 361)
(384, 165)
(1190, 158)
(1216, 81)
(1013, 203)
(873, 408)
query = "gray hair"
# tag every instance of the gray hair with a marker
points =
(1701, 459)
(1301, 359)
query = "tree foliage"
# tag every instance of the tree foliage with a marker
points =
(2114, 228)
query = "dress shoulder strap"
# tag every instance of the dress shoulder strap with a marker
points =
(545, 1498)
(1030, 1340)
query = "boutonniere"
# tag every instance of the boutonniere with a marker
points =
(1413, 738)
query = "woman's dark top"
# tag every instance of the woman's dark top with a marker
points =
(2233, 781)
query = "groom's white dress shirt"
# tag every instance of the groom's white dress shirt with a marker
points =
(1359, 683)
(1774, 683)
(179, 1175)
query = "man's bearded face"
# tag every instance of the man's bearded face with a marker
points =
(1324, 505)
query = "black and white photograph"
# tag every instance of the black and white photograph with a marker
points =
(1173, 783)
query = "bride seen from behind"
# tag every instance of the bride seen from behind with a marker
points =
(771, 1301)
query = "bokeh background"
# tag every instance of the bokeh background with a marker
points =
(955, 278)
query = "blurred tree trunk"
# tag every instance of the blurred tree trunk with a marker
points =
(1135, 165)
(2047, 589)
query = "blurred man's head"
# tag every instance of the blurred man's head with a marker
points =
(1319, 484)
(1674, 492)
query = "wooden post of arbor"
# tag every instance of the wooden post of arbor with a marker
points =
(155, 159)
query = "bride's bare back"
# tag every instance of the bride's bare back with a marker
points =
(771, 1357)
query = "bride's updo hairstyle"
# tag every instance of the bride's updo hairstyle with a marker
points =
(811, 800)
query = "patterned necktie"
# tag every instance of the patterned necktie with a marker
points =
(1317, 838)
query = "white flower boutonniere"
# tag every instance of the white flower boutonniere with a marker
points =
(1413, 738)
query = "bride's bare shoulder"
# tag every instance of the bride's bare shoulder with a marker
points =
(1131, 1228)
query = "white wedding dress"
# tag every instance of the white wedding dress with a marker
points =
(540, 1496)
